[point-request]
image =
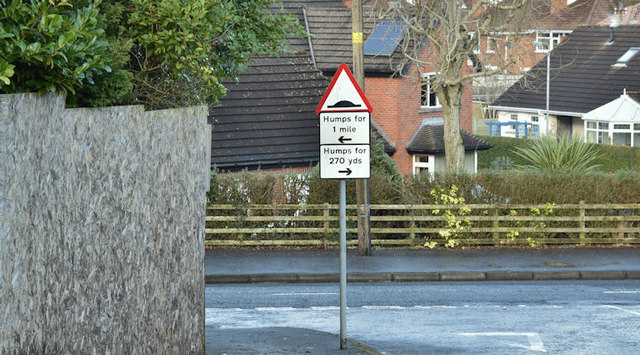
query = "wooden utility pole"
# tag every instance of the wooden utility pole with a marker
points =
(362, 185)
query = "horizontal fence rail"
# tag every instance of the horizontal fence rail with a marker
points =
(431, 225)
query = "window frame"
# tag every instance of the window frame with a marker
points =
(426, 82)
(429, 165)
(551, 38)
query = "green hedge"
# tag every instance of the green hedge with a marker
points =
(488, 186)
(613, 159)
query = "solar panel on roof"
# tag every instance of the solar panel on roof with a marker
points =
(385, 37)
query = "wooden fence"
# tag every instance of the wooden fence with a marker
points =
(436, 225)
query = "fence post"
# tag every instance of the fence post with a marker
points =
(582, 224)
(326, 213)
(496, 225)
(412, 225)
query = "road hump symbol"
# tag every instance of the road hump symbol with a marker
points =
(343, 94)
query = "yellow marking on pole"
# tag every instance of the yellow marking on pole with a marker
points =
(356, 37)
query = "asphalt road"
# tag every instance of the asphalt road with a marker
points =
(558, 317)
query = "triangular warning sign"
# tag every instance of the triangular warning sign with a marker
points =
(343, 94)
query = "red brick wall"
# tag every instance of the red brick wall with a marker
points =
(396, 109)
(557, 5)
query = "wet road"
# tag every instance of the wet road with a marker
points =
(559, 317)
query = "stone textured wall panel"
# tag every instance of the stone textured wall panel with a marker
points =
(102, 233)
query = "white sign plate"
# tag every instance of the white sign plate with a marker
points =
(344, 161)
(344, 127)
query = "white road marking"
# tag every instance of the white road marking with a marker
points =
(325, 308)
(383, 307)
(622, 292)
(621, 309)
(306, 294)
(388, 307)
(275, 309)
(535, 342)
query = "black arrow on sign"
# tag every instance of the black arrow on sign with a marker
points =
(348, 171)
(342, 139)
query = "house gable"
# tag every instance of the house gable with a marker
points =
(583, 75)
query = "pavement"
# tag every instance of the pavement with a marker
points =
(224, 266)
(279, 340)
(512, 264)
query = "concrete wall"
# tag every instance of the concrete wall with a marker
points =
(102, 233)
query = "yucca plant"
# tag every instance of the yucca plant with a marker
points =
(567, 154)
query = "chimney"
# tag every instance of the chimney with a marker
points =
(612, 31)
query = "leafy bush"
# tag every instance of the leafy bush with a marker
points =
(500, 147)
(49, 46)
(452, 228)
(502, 163)
(613, 158)
(568, 154)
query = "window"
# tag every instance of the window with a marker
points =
(547, 40)
(476, 49)
(423, 164)
(514, 117)
(535, 131)
(621, 134)
(622, 138)
(429, 97)
(597, 132)
(534, 118)
(626, 57)
(490, 114)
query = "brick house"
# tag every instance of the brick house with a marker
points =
(593, 67)
(403, 103)
(548, 25)
(401, 100)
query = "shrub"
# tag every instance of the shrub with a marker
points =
(568, 154)
(485, 187)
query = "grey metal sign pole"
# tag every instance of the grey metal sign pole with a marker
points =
(343, 264)
(344, 126)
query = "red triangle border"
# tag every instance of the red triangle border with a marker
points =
(344, 67)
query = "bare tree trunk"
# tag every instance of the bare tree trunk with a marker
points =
(450, 98)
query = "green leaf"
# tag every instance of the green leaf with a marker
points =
(61, 41)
